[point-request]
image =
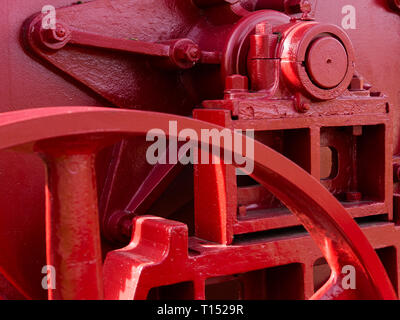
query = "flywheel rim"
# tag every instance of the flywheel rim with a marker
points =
(335, 232)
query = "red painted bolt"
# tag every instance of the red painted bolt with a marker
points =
(299, 105)
(193, 53)
(306, 7)
(188, 52)
(299, 6)
(357, 83)
(57, 35)
(60, 31)
(236, 82)
(305, 107)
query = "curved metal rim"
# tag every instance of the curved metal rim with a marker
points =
(335, 232)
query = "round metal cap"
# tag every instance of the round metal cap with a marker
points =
(326, 62)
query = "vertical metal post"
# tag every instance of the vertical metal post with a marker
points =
(72, 222)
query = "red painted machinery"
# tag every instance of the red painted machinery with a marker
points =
(84, 215)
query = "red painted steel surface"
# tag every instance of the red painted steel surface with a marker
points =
(324, 104)
(72, 223)
(334, 231)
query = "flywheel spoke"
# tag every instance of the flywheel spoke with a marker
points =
(72, 220)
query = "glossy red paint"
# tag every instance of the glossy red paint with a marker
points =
(334, 231)
(72, 220)
(322, 97)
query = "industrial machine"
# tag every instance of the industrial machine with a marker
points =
(85, 215)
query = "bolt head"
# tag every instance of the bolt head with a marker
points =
(305, 107)
(305, 7)
(299, 6)
(57, 35)
(189, 53)
(357, 83)
(236, 82)
(193, 53)
(60, 32)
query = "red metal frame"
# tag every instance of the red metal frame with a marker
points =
(337, 235)
(299, 83)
